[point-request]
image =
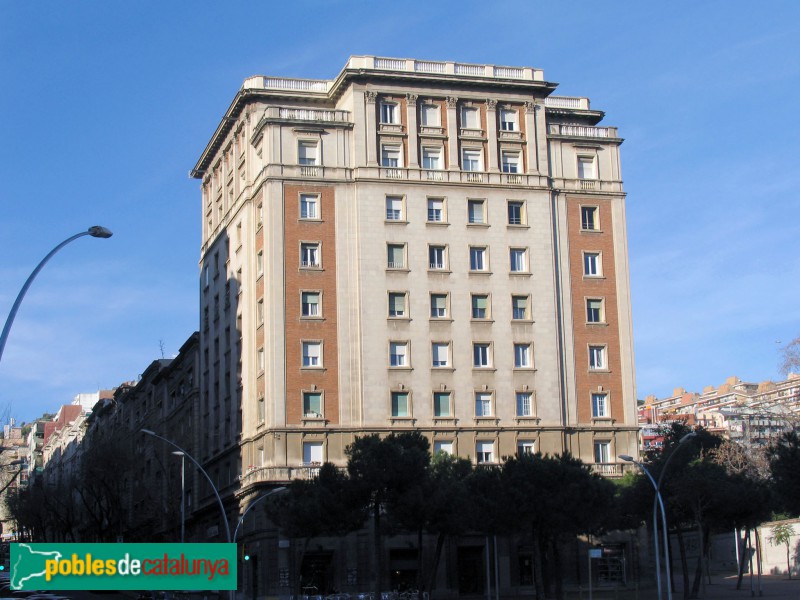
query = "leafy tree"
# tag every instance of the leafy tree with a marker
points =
(782, 534)
(784, 461)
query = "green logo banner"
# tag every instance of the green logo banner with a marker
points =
(123, 566)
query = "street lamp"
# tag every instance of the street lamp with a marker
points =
(182, 454)
(252, 504)
(203, 471)
(659, 501)
(96, 231)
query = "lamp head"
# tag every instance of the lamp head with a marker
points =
(100, 232)
(178, 453)
(148, 431)
(626, 457)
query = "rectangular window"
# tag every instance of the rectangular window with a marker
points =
(398, 354)
(438, 306)
(480, 306)
(441, 404)
(477, 259)
(396, 256)
(602, 452)
(309, 206)
(307, 153)
(481, 355)
(397, 305)
(599, 406)
(516, 212)
(509, 161)
(597, 358)
(391, 156)
(519, 308)
(394, 208)
(312, 405)
(589, 220)
(400, 406)
(312, 453)
(508, 119)
(260, 263)
(431, 158)
(519, 260)
(525, 447)
(476, 212)
(469, 117)
(309, 255)
(586, 167)
(436, 210)
(440, 354)
(312, 354)
(429, 115)
(310, 305)
(260, 410)
(260, 360)
(484, 452)
(522, 356)
(443, 446)
(472, 160)
(390, 113)
(591, 264)
(524, 404)
(437, 257)
(259, 214)
(483, 404)
(594, 311)
(260, 312)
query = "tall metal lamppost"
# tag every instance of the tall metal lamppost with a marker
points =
(182, 454)
(96, 231)
(658, 501)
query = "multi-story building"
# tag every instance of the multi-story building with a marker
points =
(412, 245)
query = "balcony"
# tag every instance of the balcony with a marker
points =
(568, 102)
(434, 67)
(307, 114)
(583, 131)
(260, 82)
(609, 469)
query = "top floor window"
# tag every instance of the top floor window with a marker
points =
(586, 168)
(471, 160)
(307, 153)
(508, 120)
(390, 113)
(429, 115)
(469, 117)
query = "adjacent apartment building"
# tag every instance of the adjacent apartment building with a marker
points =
(412, 245)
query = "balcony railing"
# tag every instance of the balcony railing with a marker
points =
(567, 102)
(309, 171)
(608, 469)
(445, 67)
(308, 114)
(287, 84)
(583, 131)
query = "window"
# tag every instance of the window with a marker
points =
(483, 404)
(309, 303)
(484, 452)
(522, 356)
(260, 311)
(260, 409)
(260, 360)
(519, 308)
(471, 160)
(437, 257)
(589, 220)
(312, 354)
(597, 358)
(469, 117)
(398, 354)
(599, 405)
(524, 404)
(519, 260)
(480, 306)
(312, 405)
(440, 354)
(397, 305)
(394, 208)
(259, 214)
(309, 206)
(435, 210)
(429, 115)
(476, 212)
(309, 255)
(431, 158)
(400, 406)
(390, 113)
(438, 306)
(260, 263)
(396, 256)
(446, 447)
(477, 259)
(441, 404)
(525, 447)
(594, 311)
(509, 161)
(602, 452)
(508, 119)
(516, 212)
(307, 153)
(591, 264)
(312, 453)
(390, 156)
(481, 355)
(586, 167)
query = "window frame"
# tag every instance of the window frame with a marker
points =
(306, 396)
(389, 109)
(318, 294)
(518, 206)
(514, 121)
(465, 121)
(306, 361)
(472, 151)
(601, 406)
(431, 152)
(440, 266)
(592, 261)
(479, 259)
(519, 251)
(483, 399)
(430, 204)
(524, 402)
(393, 265)
(446, 297)
(423, 114)
(394, 407)
(438, 447)
(527, 349)
(406, 355)
(436, 405)
(313, 444)
(485, 359)
(448, 348)
(480, 452)
(510, 161)
(402, 211)
(598, 351)
(527, 309)
(601, 449)
(480, 202)
(590, 217)
(473, 308)
(586, 159)
(308, 246)
(399, 158)
(303, 159)
(526, 447)
(601, 311)
(398, 294)
(316, 204)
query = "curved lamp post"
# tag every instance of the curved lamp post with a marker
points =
(203, 471)
(259, 499)
(658, 501)
(96, 231)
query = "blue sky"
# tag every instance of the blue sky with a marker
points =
(105, 107)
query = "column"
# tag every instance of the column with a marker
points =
(452, 134)
(413, 145)
(370, 134)
(491, 134)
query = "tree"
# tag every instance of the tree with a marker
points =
(782, 534)
(791, 357)
(784, 462)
